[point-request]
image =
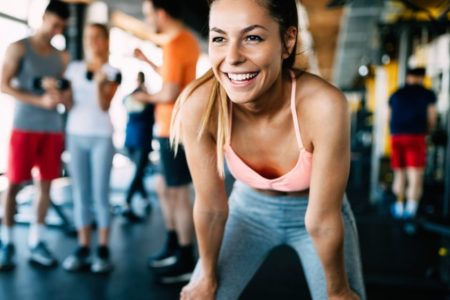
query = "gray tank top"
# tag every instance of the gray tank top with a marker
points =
(28, 117)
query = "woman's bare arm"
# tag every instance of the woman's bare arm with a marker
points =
(106, 90)
(211, 207)
(327, 119)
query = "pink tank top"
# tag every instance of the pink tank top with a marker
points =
(297, 179)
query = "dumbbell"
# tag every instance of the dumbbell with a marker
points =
(117, 77)
(61, 83)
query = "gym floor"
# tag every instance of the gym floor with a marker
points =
(400, 262)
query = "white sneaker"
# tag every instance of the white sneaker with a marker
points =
(397, 210)
(41, 255)
(411, 209)
(140, 207)
(101, 265)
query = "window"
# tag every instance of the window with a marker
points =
(11, 31)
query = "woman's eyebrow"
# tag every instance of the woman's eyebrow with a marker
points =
(215, 29)
(245, 30)
(250, 28)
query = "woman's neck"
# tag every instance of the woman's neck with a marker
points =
(95, 63)
(269, 103)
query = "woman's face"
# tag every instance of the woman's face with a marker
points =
(245, 48)
(96, 43)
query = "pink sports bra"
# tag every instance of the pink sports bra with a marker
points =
(297, 179)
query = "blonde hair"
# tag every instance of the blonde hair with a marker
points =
(216, 117)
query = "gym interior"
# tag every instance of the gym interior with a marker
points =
(363, 47)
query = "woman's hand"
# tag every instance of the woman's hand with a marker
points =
(138, 54)
(100, 77)
(201, 289)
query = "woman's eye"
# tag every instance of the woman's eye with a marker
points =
(253, 38)
(217, 39)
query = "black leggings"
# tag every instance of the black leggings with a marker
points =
(140, 159)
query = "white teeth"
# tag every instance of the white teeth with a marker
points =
(241, 77)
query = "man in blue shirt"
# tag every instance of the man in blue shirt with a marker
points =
(412, 116)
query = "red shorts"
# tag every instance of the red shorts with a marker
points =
(34, 149)
(408, 151)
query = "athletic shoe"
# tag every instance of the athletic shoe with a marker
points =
(142, 207)
(7, 257)
(397, 210)
(102, 262)
(410, 209)
(166, 257)
(42, 256)
(179, 272)
(131, 216)
(168, 254)
(79, 260)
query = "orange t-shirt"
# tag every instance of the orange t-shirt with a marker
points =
(179, 63)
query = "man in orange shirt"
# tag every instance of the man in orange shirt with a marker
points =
(180, 54)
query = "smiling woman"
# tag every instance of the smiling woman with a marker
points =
(256, 43)
(266, 120)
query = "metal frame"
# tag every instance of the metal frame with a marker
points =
(6, 16)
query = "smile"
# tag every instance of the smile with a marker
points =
(241, 77)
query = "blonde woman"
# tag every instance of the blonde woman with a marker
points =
(284, 134)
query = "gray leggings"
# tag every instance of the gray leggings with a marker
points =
(257, 223)
(90, 169)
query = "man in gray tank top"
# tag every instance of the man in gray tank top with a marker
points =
(32, 73)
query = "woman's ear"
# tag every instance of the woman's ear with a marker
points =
(290, 38)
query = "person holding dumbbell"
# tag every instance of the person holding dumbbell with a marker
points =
(89, 133)
(37, 136)
(49, 83)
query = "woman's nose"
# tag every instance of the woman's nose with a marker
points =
(234, 54)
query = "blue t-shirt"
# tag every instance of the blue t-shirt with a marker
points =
(141, 118)
(409, 106)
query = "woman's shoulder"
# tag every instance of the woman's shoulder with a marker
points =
(194, 98)
(314, 92)
(110, 69)
(76, 65)
(318, 103)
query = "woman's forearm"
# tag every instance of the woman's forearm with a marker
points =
(328, 238)
(104, 95)
(209, 227)
(67, 99)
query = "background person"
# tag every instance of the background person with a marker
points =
(37, 137)
(91, 149)
(138, 142)
(175, 261)
(412, 116)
